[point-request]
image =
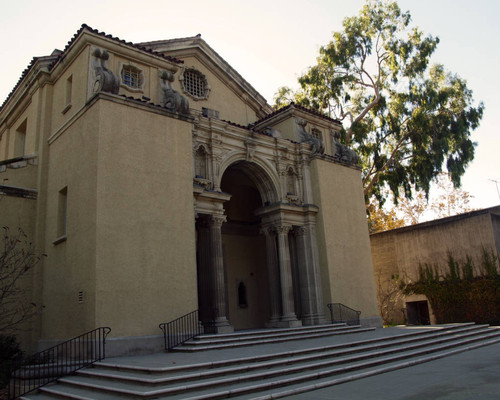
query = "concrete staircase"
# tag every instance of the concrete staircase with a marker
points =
(264, 365)
(267, 336)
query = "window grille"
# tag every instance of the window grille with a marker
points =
(195, 83)
(131, 77)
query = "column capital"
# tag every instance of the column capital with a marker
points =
(283, 229)
(268, 231)
(299, 230)
(217, 220)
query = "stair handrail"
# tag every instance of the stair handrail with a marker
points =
(63, 359)
(181, 330)
(346, 314)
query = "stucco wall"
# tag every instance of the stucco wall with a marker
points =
(343, 240)
(18, 214)
(145, 240)
(221, 98)
(70, 264)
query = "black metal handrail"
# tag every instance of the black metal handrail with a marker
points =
(341, 313)
(182, 329)
(58, 361)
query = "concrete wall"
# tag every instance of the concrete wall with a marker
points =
(343, 240)
(400, 252)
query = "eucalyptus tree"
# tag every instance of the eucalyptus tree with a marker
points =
(408, 120)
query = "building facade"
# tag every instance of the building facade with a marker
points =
(158, 181)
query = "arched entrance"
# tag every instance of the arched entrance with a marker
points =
(244, 249)
(256, 253)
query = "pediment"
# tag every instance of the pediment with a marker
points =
(219, 76)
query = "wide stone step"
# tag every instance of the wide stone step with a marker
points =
(269, 331)
(215, 342)
(264, 374)
(325, 382)
(346, 359)
(323, 377)
(249, 364)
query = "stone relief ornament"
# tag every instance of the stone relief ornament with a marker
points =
(342, 152)
(169, 98)
(270, 131)
(105, 80)
(306, 137)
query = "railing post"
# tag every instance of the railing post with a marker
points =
(60, 360)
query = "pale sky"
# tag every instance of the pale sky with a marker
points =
(270, 43)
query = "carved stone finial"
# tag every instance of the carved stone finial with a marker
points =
(273, 132)
(105, 80)
(342, 152)
(169, 98)
(306, 137)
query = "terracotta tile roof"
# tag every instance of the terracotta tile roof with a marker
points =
(60, 55)
(23, 74)
(299, 107)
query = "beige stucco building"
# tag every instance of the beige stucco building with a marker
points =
(158, 181)
(398, 254)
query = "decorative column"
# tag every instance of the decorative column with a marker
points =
(306, 181)
(274, 276)
(205, 285)
(288, 318)
(310, 285)
(222, 324)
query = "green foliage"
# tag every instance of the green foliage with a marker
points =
(459, 295)
(10, 352)
(489, 264)
(406, 119)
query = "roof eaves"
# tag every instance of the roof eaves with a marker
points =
(62, 54)
(299, 107)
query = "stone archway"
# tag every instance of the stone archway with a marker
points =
(244, 247)
(257, 254)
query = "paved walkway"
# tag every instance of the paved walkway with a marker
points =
(470, 375)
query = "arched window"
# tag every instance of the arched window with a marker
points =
(200, 163)
(290, 182)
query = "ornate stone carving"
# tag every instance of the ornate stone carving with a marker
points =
(283, 229)
(169, 98)
(299, 231)
(341, 151)
(250, 150)
(204, 183)
(217, 220)
(306, 137)
(105, 80)
(270, 131)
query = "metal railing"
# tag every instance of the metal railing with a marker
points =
(182, 329)
(63, 359)
(341, 313)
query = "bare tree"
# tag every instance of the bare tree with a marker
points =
(390, 300)
(17, 259)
